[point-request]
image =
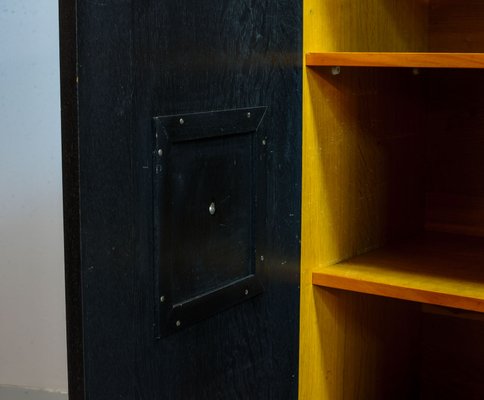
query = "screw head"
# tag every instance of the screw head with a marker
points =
(178, 323)
(336, 70)
(182, 121)
(246, 292)
(162, 299)
(263, 142)
(211, 208)
(262, 258)
(248, 115)
(160, 152)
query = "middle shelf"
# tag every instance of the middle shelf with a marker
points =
(382, 59)
(435, 268)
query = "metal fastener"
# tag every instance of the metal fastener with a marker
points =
(211, 208)
(162, 299)
(262, 258)
(178, 323)
(160, 152)
(246, 292)
(248, 115)
(182, 121)
(336, 70)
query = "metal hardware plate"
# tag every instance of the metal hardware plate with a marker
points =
(209, 185)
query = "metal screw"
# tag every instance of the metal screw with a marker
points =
(246, 292)
(336, 70)
(211, 208)
(178, 323)
(248, 115)
(160, 152)
(162, 299)
(263, 142)
(262, 258)
(182, 121)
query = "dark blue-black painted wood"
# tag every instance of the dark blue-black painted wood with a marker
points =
(123, 63)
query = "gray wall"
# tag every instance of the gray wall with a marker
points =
(32, 320)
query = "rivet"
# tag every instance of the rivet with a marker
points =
(336, 70)
(248, 115)
(162, 299)
(182, 121)
(262, 258)
(263, 142)
(246, 292)
(160, 152)
(178, 323)
(211, 208)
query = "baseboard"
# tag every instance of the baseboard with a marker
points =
(19, 393)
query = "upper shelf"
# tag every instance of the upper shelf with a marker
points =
(440, 269)
(412, 60)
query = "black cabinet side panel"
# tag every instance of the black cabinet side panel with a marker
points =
(71, 206)
(143, 58)
(108, 199)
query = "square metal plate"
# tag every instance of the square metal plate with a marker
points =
(209, 177)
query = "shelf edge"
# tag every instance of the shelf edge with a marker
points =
(398, 292)
(396, 60)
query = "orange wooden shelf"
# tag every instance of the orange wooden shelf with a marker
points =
(411, 60)
(440, 269)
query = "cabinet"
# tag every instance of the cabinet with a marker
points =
(392, 266)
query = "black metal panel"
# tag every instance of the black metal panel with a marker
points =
(210, 124)
(208, 251)
(137, 59)
(209, 171)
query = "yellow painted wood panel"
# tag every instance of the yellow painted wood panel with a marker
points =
(456, 26)
(455, 213)
(366, 146)
(358, 353)
(436, 269)
(452, 360)
(455, 143)
(361, 151)
(402, 59)
(365, 25)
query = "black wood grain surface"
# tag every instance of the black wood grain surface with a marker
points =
(134, 60)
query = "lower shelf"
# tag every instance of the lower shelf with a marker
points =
(435, 268)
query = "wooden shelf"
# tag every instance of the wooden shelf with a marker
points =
(411, 60)
(440, 269)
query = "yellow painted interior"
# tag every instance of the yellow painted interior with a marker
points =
(366, 180)
(348, 154)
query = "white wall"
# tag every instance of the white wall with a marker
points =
(32, 319)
